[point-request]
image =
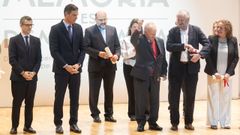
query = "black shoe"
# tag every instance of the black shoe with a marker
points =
(29, 130)
(226, 127)
(59, 129)
(155, 127)
(140, 128)
(213, 127)
(110, 119)
(13, 131)
(97, 119)
(174, 128)
(189, 127)
(132, 118)
(74, 128)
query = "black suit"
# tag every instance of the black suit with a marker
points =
(101, 69)
(211, 61)
(23, 58)
(146, 73)
(64, 51)
(183, 75)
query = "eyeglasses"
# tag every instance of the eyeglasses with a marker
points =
(28, 25)
(101, 20)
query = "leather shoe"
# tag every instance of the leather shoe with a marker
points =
(132, 118)
(174, 128)
(226, 127)
(97, 119)
(59, 129)
(140, 128)
(155, 127)
(29, 130)
(189, 127)
(110, 119)
(74, 128)
(213, 127)
(13, 131)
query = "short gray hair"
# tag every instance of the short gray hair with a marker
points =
(184, 13)
(22, 20)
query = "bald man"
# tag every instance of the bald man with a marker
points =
(150, 66)
(100, 65)
(183, 44)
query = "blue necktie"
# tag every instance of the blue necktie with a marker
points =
(70, 32)
(26, 42)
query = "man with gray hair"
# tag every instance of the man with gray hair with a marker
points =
(150, 66)
(183, 44)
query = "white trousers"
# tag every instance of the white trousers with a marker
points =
(219, 102)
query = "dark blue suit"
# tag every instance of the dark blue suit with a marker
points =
(64, 51)
(22, 59)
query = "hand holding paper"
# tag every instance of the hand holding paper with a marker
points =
(112, 57)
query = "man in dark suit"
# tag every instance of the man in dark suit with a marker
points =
(150, 65)
(101, 66)
(25, 58)
(183, 44)
(66, 46)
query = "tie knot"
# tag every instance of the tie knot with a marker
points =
(26, 37)
(69, 27)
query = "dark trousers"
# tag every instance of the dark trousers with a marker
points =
(62, 81)
(130, 89)
(95, 79)
(23, 90)
(188, 83)
(143, 88)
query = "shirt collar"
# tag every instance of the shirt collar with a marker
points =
(66, 24)
(185, 31)
(23, 35)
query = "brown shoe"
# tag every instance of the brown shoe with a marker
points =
(174, 128)
(189, 127)
(226, 127)
(110, 119)
(213, 127)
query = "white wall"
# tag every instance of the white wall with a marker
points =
(45, 13)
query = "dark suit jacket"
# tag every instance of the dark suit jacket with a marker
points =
(23, 60)
(94, 42)
(175, 47)
(211, 60)
(146, 65)
(63, 50)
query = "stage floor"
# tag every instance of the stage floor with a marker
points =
(43, 121)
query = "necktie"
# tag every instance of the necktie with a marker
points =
(70, 32)
(154, 48)
(26, 42)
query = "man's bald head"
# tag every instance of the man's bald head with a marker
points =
(101, 18)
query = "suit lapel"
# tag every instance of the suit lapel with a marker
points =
(31, 45)
(149, 47)
(22, 42)
(65, 32)
(99, 34)
(108, 33)
(74, 36)
(190, 31)
(178, 35)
